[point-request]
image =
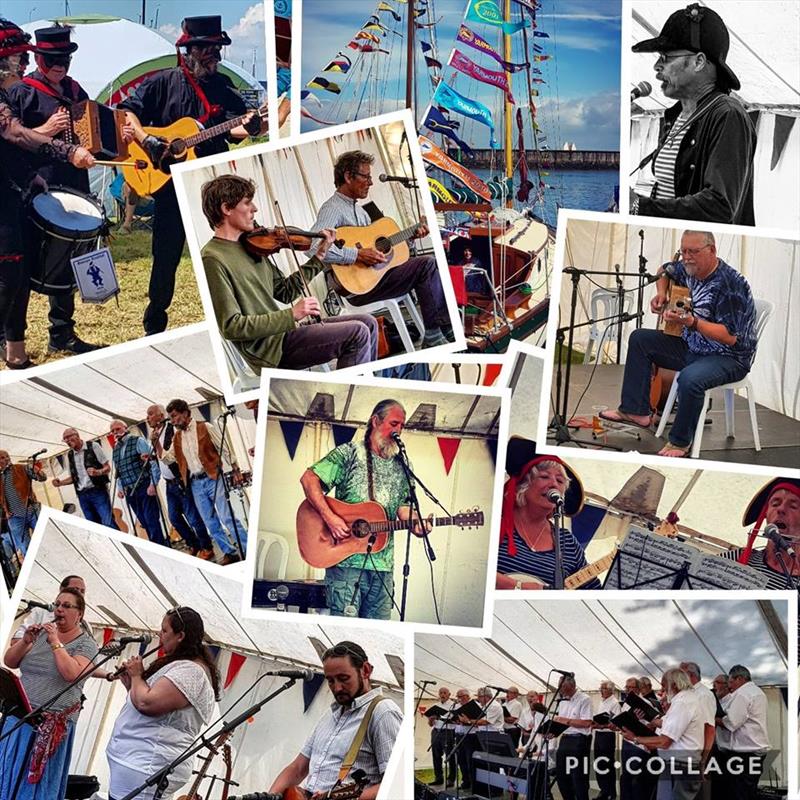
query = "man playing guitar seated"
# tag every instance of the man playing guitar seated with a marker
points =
(352, 176)
(717, 344)
(338, 745)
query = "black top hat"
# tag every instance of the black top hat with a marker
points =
(202, 31)
(759, 501)
(12, 39)
(54, 41)
(521, 455)
(700, 30)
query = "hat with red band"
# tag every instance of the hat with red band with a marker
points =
(203, 31)
(54, 41)
(13, 39)
(756, 510)
(521, 455)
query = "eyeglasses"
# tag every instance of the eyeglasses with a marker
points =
(176, 611)
(57, 604)
(365, 175)
(692, 251)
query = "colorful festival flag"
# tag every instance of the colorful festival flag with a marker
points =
(368, 48)
(488, 12)
(472, 39)
(426, 48)
(439, 192)
(432, 62)
(387, 7)
(369, 36)
(494, 78)
(324, 83)
(449, 98)
(339, 64)
(438, 123)
(541, 58)
(434, 155)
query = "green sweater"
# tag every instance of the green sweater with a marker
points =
(244, 294)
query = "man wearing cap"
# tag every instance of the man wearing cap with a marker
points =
(194, 89)
(41, 101)
(536, 487)
(703, 164)
(319, 765)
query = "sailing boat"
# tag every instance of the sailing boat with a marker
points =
(511, 297)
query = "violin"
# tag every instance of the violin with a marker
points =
(262, 242)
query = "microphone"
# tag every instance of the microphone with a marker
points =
(629, 317)
(384, 178)
(773, 533)
(555, 497)
(226, 413)
(642, 89)
(430, 683)
(396, 436)
(297, 674)
(38, 453)
(142, 638)
(36, 604)
(496, 688)
(564, 673)
(618, 279)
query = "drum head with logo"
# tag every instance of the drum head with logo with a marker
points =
(68, 213)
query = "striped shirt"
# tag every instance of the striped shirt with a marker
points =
(336, 212)
(664, 162)
(128, 463)
(541, 563)
(15, 504)
(330, 740)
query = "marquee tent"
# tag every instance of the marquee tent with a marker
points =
(612, 640)
(129, 589)
(763, 53)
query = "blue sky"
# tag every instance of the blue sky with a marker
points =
(585, 43)
(243, 19)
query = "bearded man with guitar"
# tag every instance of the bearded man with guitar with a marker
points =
(716, 345)
(193, 89)
(354, 739)
(352, 176)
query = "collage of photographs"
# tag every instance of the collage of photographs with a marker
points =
(359, 360)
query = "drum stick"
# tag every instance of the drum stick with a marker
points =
(139, 163)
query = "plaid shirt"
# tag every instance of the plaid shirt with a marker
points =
(128, 463)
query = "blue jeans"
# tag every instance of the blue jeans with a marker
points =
(19, 535)
(185, 517)
(216, 514)
(96, 506)
(146, 509)
(373, 599)
(698, 373)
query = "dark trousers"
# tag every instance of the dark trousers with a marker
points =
(573, 779)
(420, 273)
(468, 746)
(168, 241)
(146, 509)
(13, 269)
(350, 339)
(441, 744)
(96, 506)
(698, 373)
(743, 784)
(605, 771)
(514, 733)
(185, 517)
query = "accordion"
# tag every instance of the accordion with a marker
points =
(98, 128)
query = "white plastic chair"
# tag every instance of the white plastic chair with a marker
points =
(393, 307)
(272, 557)
(605, 303)
(764, 311)
(244, 378)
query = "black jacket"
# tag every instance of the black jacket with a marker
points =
(714, 167)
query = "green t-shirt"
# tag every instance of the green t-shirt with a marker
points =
(344, 470)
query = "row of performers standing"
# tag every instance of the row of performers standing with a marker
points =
(693, 729)
(33, 155)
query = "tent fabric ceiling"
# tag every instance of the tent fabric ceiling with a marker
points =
(606, 640)
(138, 586)
(763, 50)
(454, 412)
(33, 415)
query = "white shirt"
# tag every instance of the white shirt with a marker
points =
(530, 720)
(747, 719)
(609, 705)
(449, 705)
(166, 469)
(84, 481)
(723, 734)
(579, 706)
(190, 448)
(684, 723)
(514, 708)
(708, 702)
(493, 716)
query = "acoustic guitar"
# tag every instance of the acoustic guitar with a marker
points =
(577, 579)
(318, 548)
(347, 791)
(182, 137)
(213, 750)
(383, 235)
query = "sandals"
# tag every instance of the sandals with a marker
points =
(624, 419)
(674, 451)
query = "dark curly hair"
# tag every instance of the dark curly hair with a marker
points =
(349, 163)
(187, 621)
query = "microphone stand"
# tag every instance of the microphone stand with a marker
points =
(26, 610)
(558, 566)
(160, 779)
(643, 280)
(234, 521)
(620, 308)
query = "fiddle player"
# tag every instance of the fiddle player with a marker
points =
(41, 101)
(195, 88)
(717, 344)
(246, 295)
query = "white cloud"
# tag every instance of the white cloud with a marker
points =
(171, 31)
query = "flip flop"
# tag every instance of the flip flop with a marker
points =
(624, 419)
(683, 451)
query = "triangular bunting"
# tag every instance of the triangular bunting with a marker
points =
(342, 434)
(491, 373)
(108, 635)
(448, 448)
(492, 445)
(291, 434)
(783, 127)
(234, 665)
(205, 411)
(310, 689)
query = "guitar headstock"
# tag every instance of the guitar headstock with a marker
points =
(469, 519)
(226, 755)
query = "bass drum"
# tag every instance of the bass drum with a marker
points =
(63, 223)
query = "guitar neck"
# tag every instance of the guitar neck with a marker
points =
(401, 236)
(401, 525)
(216, 130)
(577, 579)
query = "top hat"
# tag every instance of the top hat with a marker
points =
(700, 30)
(203, 31)
(13, 39)
(758, 504)
(54, 41)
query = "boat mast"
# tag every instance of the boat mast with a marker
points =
(508, 119)
(410, 59)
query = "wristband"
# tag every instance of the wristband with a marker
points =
(55, 647)
(695, 320)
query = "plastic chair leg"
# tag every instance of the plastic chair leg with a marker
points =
(673, 393)
(413, 312)
(753, 420)
(730, 417)
(397, 317)
(698, 431)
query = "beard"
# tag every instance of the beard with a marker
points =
(387, 447)
(345, 698)
(202, 67)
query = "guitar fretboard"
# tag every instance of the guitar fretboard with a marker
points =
(216, 130)
(399, 525)
(401, 236)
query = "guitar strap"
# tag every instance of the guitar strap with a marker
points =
(355, 746)
(212, 110)
(49, 90)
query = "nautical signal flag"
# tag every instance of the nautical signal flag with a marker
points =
(488, 12)
(370, 36)
(387, 7)
(432, 62)
(438, 123)
(454, 101)
(541, 58)
(323, 83)
(339, 64)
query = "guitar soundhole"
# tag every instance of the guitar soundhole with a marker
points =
(360, 529)
(383, 245)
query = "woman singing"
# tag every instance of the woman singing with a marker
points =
(168, 703)
(34, 762)
(526, 529)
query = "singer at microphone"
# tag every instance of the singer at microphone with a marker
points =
(19, 502)
(538, 486)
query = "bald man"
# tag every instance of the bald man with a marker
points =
(88, 473)
(18, 502)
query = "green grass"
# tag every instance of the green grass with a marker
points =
(119, 319)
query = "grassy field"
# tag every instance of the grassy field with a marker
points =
(119, 319)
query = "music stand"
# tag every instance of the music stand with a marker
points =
(14, 701)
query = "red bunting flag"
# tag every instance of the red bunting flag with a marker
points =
(234, 665)
(491, 373)
(448, 448)
(108, 635)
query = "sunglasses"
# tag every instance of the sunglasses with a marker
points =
(57, 61)
(343, 650)
(176, 611)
